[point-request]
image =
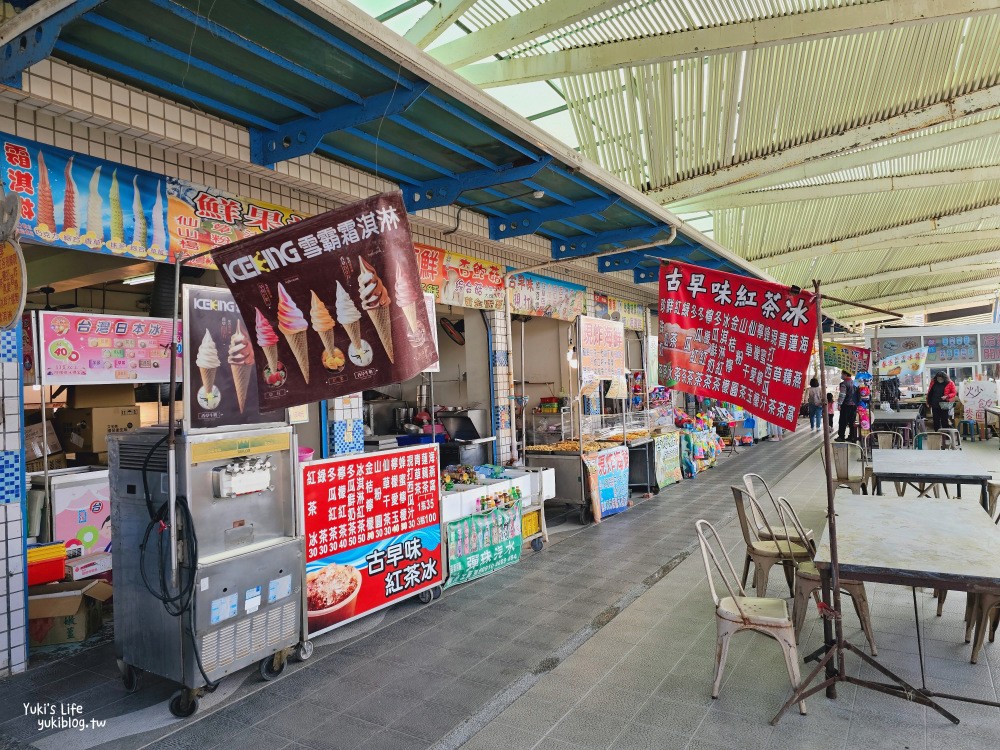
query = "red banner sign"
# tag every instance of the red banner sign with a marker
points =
(737, 339)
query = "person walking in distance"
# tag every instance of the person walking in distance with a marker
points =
(847, 402)
(814, 398)
(940, 397)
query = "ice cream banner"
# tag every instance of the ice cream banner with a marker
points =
(854, 359)
(332, 304)
(219, 363)
(76, 201)
(460, 280)
(631, 314)
(903, 363)
(549, 298)
(91, 349)
(373, 532)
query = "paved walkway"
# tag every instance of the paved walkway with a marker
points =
(416, 677)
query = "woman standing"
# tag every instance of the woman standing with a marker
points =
(940, 397)
(814, 398)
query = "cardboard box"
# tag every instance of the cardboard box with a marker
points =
(34, 443)
(95, 396)
(86, 430)
(56, 461)
(88, 566)
(66, 612)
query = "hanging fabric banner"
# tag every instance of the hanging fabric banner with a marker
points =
(332, 304)
(631, 314)
(904, 363)
(854, 359)
(737, 339)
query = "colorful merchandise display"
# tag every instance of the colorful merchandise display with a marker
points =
(700, 449)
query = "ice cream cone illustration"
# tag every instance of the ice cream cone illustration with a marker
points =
(208, 364)
(267, 340)
(71, 221)
(46, 212)
(359, 351)
(293, 326)
(117, 241)
(323, 323)
(139, 227)
(375, 301)
(407, 298)
(95, 208)
(241, 363)
(158, 247)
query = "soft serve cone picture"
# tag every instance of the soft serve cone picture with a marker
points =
(408, 296)
(375, 301)
(360, 351)
(241, 363)
(208, 364)
(293, 326)
(323, 323)
(267, 340)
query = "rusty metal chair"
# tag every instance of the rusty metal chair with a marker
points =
(765, 529)
(764, 553)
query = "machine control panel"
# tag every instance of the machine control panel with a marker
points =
(243, 476)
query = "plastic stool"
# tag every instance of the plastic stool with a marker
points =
(955, 437)
(967, 429)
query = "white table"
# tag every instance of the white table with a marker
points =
(929, 467)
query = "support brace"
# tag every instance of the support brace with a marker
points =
(36, 43)
(588, 245)
(301, 137)
(445, 191)
(528, 222)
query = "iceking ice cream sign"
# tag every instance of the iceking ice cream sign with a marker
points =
(332, 304)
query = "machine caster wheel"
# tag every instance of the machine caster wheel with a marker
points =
(537, 544)
(211, 688)
(268, 670)
(425, 597)
(304, 651)
(583, 516)
(131, 678)
(183, 704)
(436, 592)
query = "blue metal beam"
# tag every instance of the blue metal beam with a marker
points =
(150, 81)
(482, 126)
(300, 137)
(646, 275)
(580, 246)
(37, 43)
(627, 259)
(444, 142)
(444, 192)
(221, 32)
(529, 221)
(376, 169)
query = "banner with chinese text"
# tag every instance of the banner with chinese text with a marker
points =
(990, 347)
(332, 304)
(631, 314)
(667, 458)
(854, 359)
(87, 348)
(219, 363)
(601, 349)
(549, 298)
(28, 346)
(607, 481)
(976, 396)
(460, 280)
(904, 363)
(952, 349)
(373, 532)
(483, 543)
(741, 340)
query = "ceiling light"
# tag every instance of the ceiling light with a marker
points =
(146, 278)
(538, 194)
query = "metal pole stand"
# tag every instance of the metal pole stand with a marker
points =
(833, 627)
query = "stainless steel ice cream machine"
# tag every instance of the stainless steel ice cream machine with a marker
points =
(221, 587)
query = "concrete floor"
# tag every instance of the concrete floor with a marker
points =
(604, 639)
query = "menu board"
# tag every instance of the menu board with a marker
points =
(601, 349)
(976, 396)
(631, 314)
(887, 346)
(989, 347)
(943, 350)
(373, 532)
(607, 480)
(667, 458)
(92, 349)
(460, 280)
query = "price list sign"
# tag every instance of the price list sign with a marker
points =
(373, 533)
(737, 339)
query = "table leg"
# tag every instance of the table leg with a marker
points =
(920, 640)
(828, 635)
(984, 496)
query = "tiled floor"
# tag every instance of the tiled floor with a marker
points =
(605, 639)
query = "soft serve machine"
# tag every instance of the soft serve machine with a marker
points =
(207, 554)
